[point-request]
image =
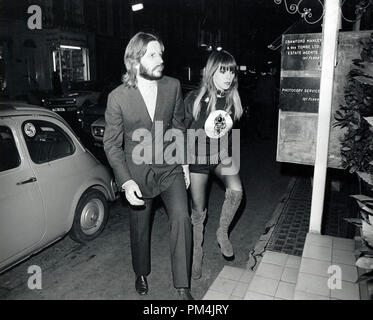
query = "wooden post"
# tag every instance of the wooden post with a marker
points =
(331, 20)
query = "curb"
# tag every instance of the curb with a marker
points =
(256, 254)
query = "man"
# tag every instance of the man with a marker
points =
(144, 100)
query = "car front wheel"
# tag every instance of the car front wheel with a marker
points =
(91, 216)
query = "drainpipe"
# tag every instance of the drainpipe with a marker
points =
(331, 22)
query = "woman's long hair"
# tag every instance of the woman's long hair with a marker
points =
(216, 60)
(135, 50)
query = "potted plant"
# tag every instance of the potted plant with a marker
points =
(356, 117)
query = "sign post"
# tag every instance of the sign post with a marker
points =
(328, 54)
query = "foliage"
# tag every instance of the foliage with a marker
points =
(357, 144)
(365, 260)
(356, 117)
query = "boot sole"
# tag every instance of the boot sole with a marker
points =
(228, 258)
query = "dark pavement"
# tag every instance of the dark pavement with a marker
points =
(102, 269)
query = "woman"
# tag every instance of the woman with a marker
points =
(212, 110)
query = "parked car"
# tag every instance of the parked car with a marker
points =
(50, 185)
(91, 112)
(98, 126)
(98, 130)
(80, 95)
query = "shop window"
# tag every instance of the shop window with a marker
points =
(71, 63)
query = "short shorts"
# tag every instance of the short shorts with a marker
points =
(202, 168)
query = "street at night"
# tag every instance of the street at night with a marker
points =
(101, 269)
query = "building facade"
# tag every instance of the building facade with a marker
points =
(31, 57)
(83, 40)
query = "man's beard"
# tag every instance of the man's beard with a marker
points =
(149, 74)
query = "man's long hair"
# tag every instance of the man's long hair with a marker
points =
(218, 59)
(135, 50)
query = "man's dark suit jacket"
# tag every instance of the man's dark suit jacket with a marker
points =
(125, 115)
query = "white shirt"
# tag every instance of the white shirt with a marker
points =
(148, 90)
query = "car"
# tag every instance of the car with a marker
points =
(80, 95)
(91, 112)
(50, 184)
(98, 126)
(98, 130)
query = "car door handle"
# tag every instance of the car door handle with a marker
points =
(31, 180)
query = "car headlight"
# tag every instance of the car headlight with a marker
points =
(98, 131)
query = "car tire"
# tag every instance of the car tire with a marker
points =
(91, 215)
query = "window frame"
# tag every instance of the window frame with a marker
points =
(41, 123)
(16, 146)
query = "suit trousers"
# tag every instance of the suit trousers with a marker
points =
(176, 203)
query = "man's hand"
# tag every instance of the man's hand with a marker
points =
(186, 175)
(133, 193)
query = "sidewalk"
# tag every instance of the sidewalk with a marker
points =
(288, 263)
(280, 276)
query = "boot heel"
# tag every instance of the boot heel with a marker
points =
(228, 258)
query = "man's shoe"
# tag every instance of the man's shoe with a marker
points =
(184, 294)
(141, 285)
